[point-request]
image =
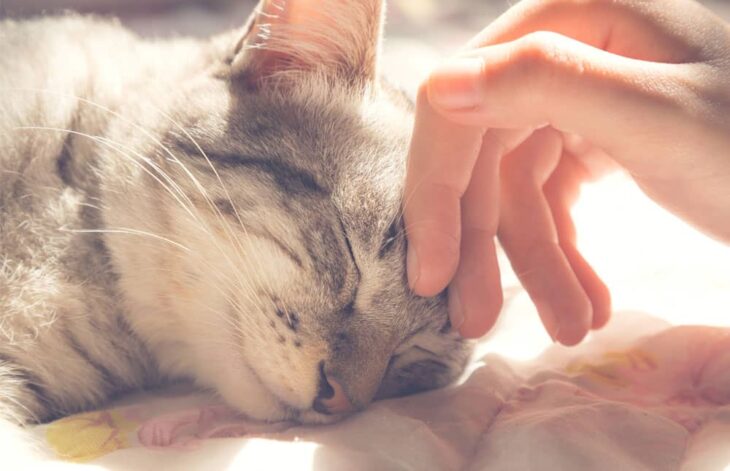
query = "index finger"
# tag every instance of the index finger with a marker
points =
(623, 27)
(440, 164)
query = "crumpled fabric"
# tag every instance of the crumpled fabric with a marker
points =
(641, 396)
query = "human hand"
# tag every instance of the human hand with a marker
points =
(645, 84)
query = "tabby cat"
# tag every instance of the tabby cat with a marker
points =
(223, 211)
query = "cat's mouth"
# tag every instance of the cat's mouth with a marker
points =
(309, 415)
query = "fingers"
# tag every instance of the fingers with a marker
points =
(590, 158)
(440, 164)
(545, 78)
(561, 191)
(531, 240)
(475, 294)
(641, 30)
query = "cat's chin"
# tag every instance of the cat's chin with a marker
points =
(312, 417)
(257, 402)
(271, 409)
(290, 415)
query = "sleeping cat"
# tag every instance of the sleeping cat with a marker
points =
(223, 211)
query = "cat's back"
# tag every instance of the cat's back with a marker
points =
(64, 79)
(46, 64)
(62, 82)
(45, 69)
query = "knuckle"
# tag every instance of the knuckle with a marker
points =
(533, 163)
(480, 232)
(512, 171)
(446, 191)
(545, 58)
(547, 6)
(540, 49)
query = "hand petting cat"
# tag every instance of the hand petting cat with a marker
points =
(536, 104)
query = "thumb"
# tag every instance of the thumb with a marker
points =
(546, 78)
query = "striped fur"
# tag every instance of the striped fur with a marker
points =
(172, 210)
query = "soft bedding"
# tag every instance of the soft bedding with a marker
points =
(658, 403)
(650, 392)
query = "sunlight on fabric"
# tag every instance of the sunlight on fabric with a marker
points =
(652, 261)
(519, 334)
(274, 454)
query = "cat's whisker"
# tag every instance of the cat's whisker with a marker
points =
(235, 328)
(117, 147)
(215, 208)
(215, 272)
(407, 198)
(234, 307)
(410, 226)
(128, 231)
(20, 405)
(159, 170)
(230, 234)
(123, 118)
(402, 208)
(254, 301)
(187, 208)
(128, 121)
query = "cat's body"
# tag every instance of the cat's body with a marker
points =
(217, 211)
(59, 296)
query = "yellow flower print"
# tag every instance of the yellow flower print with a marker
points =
(84, 437)
(616, 368)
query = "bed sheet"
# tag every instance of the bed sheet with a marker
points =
(658, 403)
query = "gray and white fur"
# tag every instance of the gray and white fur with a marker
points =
(224, 211)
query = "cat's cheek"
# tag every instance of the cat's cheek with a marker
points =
(224, 371)
(290, 372)
(246, 394)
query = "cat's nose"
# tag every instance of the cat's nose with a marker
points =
(331, 397)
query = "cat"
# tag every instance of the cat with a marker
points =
(224, 211)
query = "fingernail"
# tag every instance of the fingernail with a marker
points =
(412, 266)
(456, 83)
(554, 334)
(456, 312)
(550, 321)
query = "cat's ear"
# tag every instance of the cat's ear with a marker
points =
(338, 38)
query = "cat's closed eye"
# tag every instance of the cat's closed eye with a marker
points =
(415, 370)
(391, 237)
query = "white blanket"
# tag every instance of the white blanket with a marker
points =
(662, 403)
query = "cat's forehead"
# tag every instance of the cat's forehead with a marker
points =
(353, 146)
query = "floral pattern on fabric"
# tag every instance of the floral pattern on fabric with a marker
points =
(88, 436)
(85, 437)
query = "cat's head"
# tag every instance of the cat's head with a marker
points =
(283, 281)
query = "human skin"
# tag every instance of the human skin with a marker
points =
(547, 97)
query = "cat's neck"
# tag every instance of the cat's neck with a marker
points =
(65, 80)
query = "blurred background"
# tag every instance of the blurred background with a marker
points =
(418, 33)
(651, 261)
